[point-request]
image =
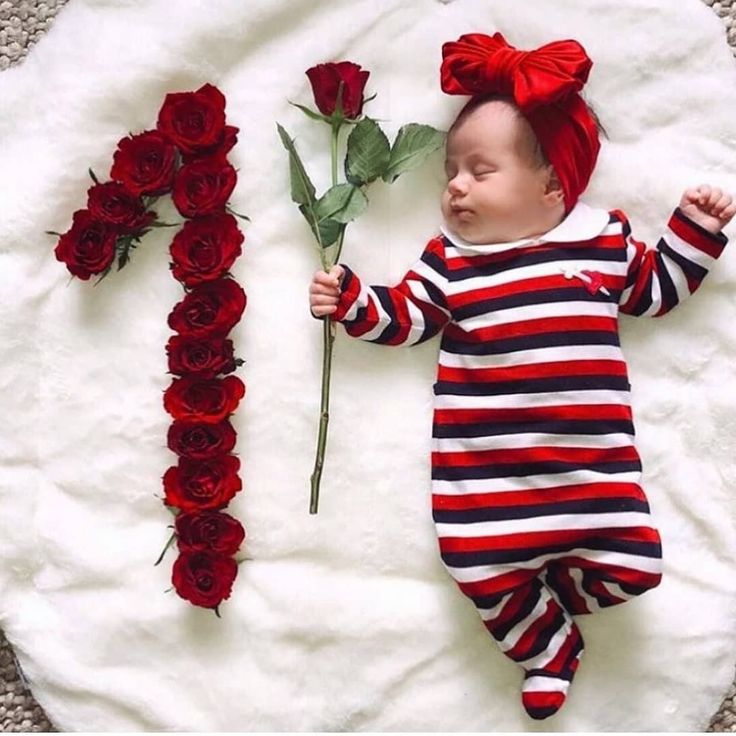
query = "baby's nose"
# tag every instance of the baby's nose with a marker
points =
(457, 185)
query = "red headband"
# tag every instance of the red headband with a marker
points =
(544, 83)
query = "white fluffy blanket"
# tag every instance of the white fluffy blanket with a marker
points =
(346, 620)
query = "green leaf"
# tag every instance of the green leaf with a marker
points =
(342, 203)
(412, 146)
(51, 232)
(124, 246)
(302, 189)
(92, 174)
(326, 231)
(368, 153)
(311, 113)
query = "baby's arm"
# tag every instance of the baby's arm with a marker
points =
(660, 278)
(406, 314)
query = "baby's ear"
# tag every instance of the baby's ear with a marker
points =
(553, 191)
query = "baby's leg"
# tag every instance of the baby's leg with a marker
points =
(587, 584)
(608, 566)
(534, 630)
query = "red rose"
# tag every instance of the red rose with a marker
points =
(204, 578)
(145, 163)
(228, 140)
(113, 203)
(88, 247)
(193, 485)
(203, 186)
(199, 440)
(325, 80)
(209, 531)
(194, 121)
(205, 248)
(211, 309)
(207, 400)
(205, 356)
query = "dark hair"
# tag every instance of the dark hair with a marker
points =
(527, 143)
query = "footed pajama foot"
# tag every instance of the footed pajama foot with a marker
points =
(543, 695)
(544, 692)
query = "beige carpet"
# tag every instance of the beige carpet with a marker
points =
(22, 23)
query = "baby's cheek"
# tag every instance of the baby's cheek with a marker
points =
(445, 203)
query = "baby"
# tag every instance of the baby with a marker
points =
(535, 476)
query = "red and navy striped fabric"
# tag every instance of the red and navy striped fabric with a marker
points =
(535, 476)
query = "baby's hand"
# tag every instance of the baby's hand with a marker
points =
(709, 207)
(324, 293)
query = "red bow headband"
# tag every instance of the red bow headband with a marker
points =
(544, 83)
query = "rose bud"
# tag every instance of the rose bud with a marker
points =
(204, 578)
(213, 308)
(325, 80)
(200, 440)
(204, 356)
(213, 531)
(145, 163)
(205, 249)
(113, 203)
(203, 186)
(194, 121)
(88, 247)
(195, 485)
(209, 400)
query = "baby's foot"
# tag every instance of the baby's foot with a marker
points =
(544, 692)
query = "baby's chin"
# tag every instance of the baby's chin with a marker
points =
(474, 233)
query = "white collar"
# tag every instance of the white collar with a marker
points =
(583, 223)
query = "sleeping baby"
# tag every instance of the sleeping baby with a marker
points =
(536, 490)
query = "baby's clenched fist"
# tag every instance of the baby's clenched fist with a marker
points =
(709, 206)
(324, 292)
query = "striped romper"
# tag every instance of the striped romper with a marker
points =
(535, 476)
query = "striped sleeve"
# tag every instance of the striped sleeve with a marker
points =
(658, 279)
(406, 314)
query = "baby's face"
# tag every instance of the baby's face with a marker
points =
(494, 193)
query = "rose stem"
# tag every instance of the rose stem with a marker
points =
(328, 340)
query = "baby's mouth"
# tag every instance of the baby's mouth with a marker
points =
(462, 213)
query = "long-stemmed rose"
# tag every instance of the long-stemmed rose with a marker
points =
(185, 156)
(338, 89)
(343, 81)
